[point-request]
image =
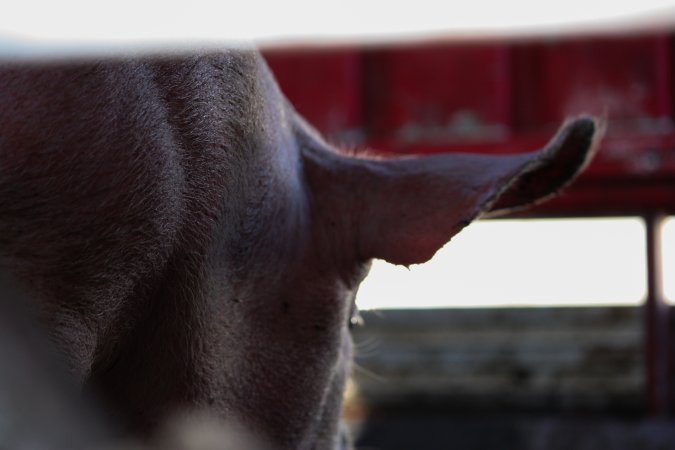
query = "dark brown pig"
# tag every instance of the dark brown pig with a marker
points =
(190, 243)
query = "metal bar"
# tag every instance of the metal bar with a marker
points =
(657, 323)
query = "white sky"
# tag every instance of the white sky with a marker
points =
(521, 263)
(64, 22)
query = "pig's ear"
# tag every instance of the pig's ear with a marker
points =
(403, 210)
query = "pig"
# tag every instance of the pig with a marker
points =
(188, 242)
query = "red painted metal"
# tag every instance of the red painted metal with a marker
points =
(324, 86)
(657, 326)
(624, 78)
(439, 92)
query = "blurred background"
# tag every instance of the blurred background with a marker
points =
(550, 330)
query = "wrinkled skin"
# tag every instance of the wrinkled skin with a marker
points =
(191, 243)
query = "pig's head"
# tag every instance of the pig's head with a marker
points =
(194, 244)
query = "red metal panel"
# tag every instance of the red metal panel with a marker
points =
(625, 78)
(324, 86)
(438, 92)
(657, 323)
(671, 68)
(587, 198)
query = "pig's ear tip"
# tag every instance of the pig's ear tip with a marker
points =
(554, 167)
(583, 122)
(583, 130)
(578, 139)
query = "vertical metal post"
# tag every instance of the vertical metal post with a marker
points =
(657, 323)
